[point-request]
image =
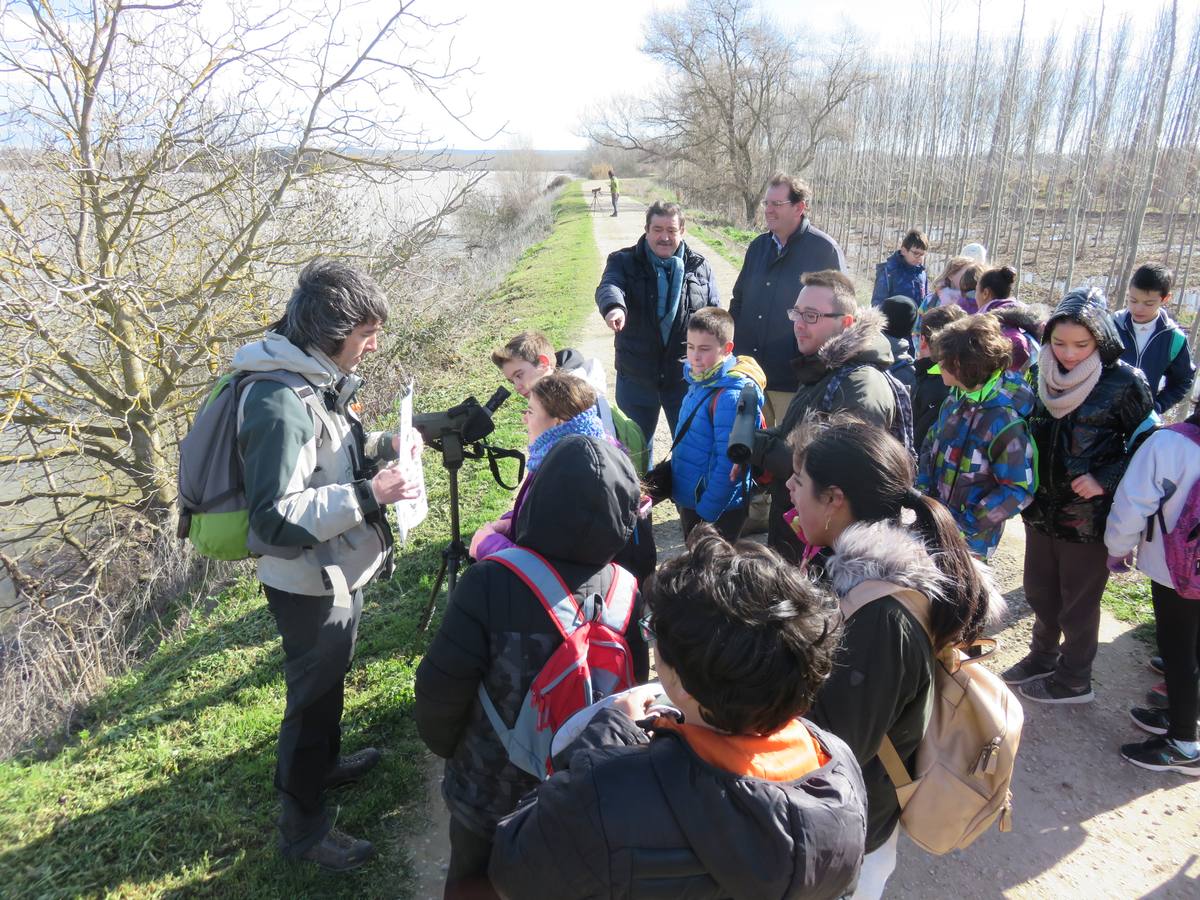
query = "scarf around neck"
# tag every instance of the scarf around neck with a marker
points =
(586, 423)
(1060, 391)
(669, 273)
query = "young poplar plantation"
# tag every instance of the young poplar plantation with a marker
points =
(1072, 156)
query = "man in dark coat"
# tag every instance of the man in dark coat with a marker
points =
(767, 286)
(647, 295)
(842, 346)
(579, 512)
(726, 792)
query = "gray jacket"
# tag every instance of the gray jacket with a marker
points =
(308, 474)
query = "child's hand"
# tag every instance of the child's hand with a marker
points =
(735, 472)
(482, 533)
(1087, 487)
(1120, 564)
(636, 701)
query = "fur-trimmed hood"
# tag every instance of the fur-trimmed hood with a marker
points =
(863, 343)
(882, 551)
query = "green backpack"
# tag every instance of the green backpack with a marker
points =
(625, 430)
(213, 513)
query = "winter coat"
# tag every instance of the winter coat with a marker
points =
(646, 817)
(630, 283)
(927, 395)
(578, 513)
(1092, 438)
(979, 460)
(767, 287)
(308, 480)
(859, 356)
(1161, 472)
(896, 276)
(699, 464)
(1165, 360)
(882, 680)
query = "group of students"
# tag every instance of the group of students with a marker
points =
(1048, 416)
(758, 744)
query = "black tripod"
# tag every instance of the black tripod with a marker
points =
(455, 553)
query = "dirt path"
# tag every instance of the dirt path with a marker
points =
(1087, 824)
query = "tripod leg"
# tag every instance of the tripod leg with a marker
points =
(427, 616)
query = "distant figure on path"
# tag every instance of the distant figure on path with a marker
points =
(647, 295)
(614, 188)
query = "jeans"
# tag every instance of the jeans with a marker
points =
(318, 644)
(614, 200)
(728, 524)
(641, 402)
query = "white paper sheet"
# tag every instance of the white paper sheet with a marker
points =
(409, 513)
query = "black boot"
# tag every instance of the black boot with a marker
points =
(350, 769)
(339, 852)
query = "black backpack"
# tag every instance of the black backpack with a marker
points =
(902, 423)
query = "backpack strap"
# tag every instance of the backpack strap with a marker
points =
(692, 415)
(868, 591)
(541, 578)
(618, 602)
(606, 417)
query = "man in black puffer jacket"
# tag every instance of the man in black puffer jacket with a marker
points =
(647, 294)
(733, 795)
(579, 512)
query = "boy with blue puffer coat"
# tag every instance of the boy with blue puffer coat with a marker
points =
(1154, 343)
(700, 467)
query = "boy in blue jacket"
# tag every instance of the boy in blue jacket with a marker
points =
(1153, 342)
(700, 467)
(903, 273)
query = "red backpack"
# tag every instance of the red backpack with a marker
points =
(592, 662)
(1181, 545)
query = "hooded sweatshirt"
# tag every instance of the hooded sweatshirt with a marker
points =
(307, 475)
(578, 513)
(635, 815)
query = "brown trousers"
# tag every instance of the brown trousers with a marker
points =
(1063, 585)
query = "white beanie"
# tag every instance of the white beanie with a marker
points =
(977, 252)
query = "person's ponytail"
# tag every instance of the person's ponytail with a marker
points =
(961, 615)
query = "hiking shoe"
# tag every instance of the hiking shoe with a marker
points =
(1161, 755)
(353, 767)
(1026, 670)
(339, 852)
(1156, 665)
(1156, 697)
(1051, 690)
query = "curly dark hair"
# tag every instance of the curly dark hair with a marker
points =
(748, 635)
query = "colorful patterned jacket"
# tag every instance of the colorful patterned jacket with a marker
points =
(980, 460)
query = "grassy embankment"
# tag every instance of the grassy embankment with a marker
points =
(1127, 597)
(167, 790)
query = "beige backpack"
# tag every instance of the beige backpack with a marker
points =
(964, 763)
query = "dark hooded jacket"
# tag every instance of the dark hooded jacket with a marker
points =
(578, 513)
(882, 681)
(928, 393)
(630, 283)
(862, 354)
(646, 817)
(1092, 438)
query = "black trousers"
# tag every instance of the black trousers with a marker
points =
(467, 875)
(1063, 585)
(1177, 623)
(318, 644)
(729, 523)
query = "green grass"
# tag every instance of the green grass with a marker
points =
(1127, 597)
(166, 790)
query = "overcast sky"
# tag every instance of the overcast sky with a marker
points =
(542, 62)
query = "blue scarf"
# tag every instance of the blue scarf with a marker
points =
(586, 423)
(670, 286)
